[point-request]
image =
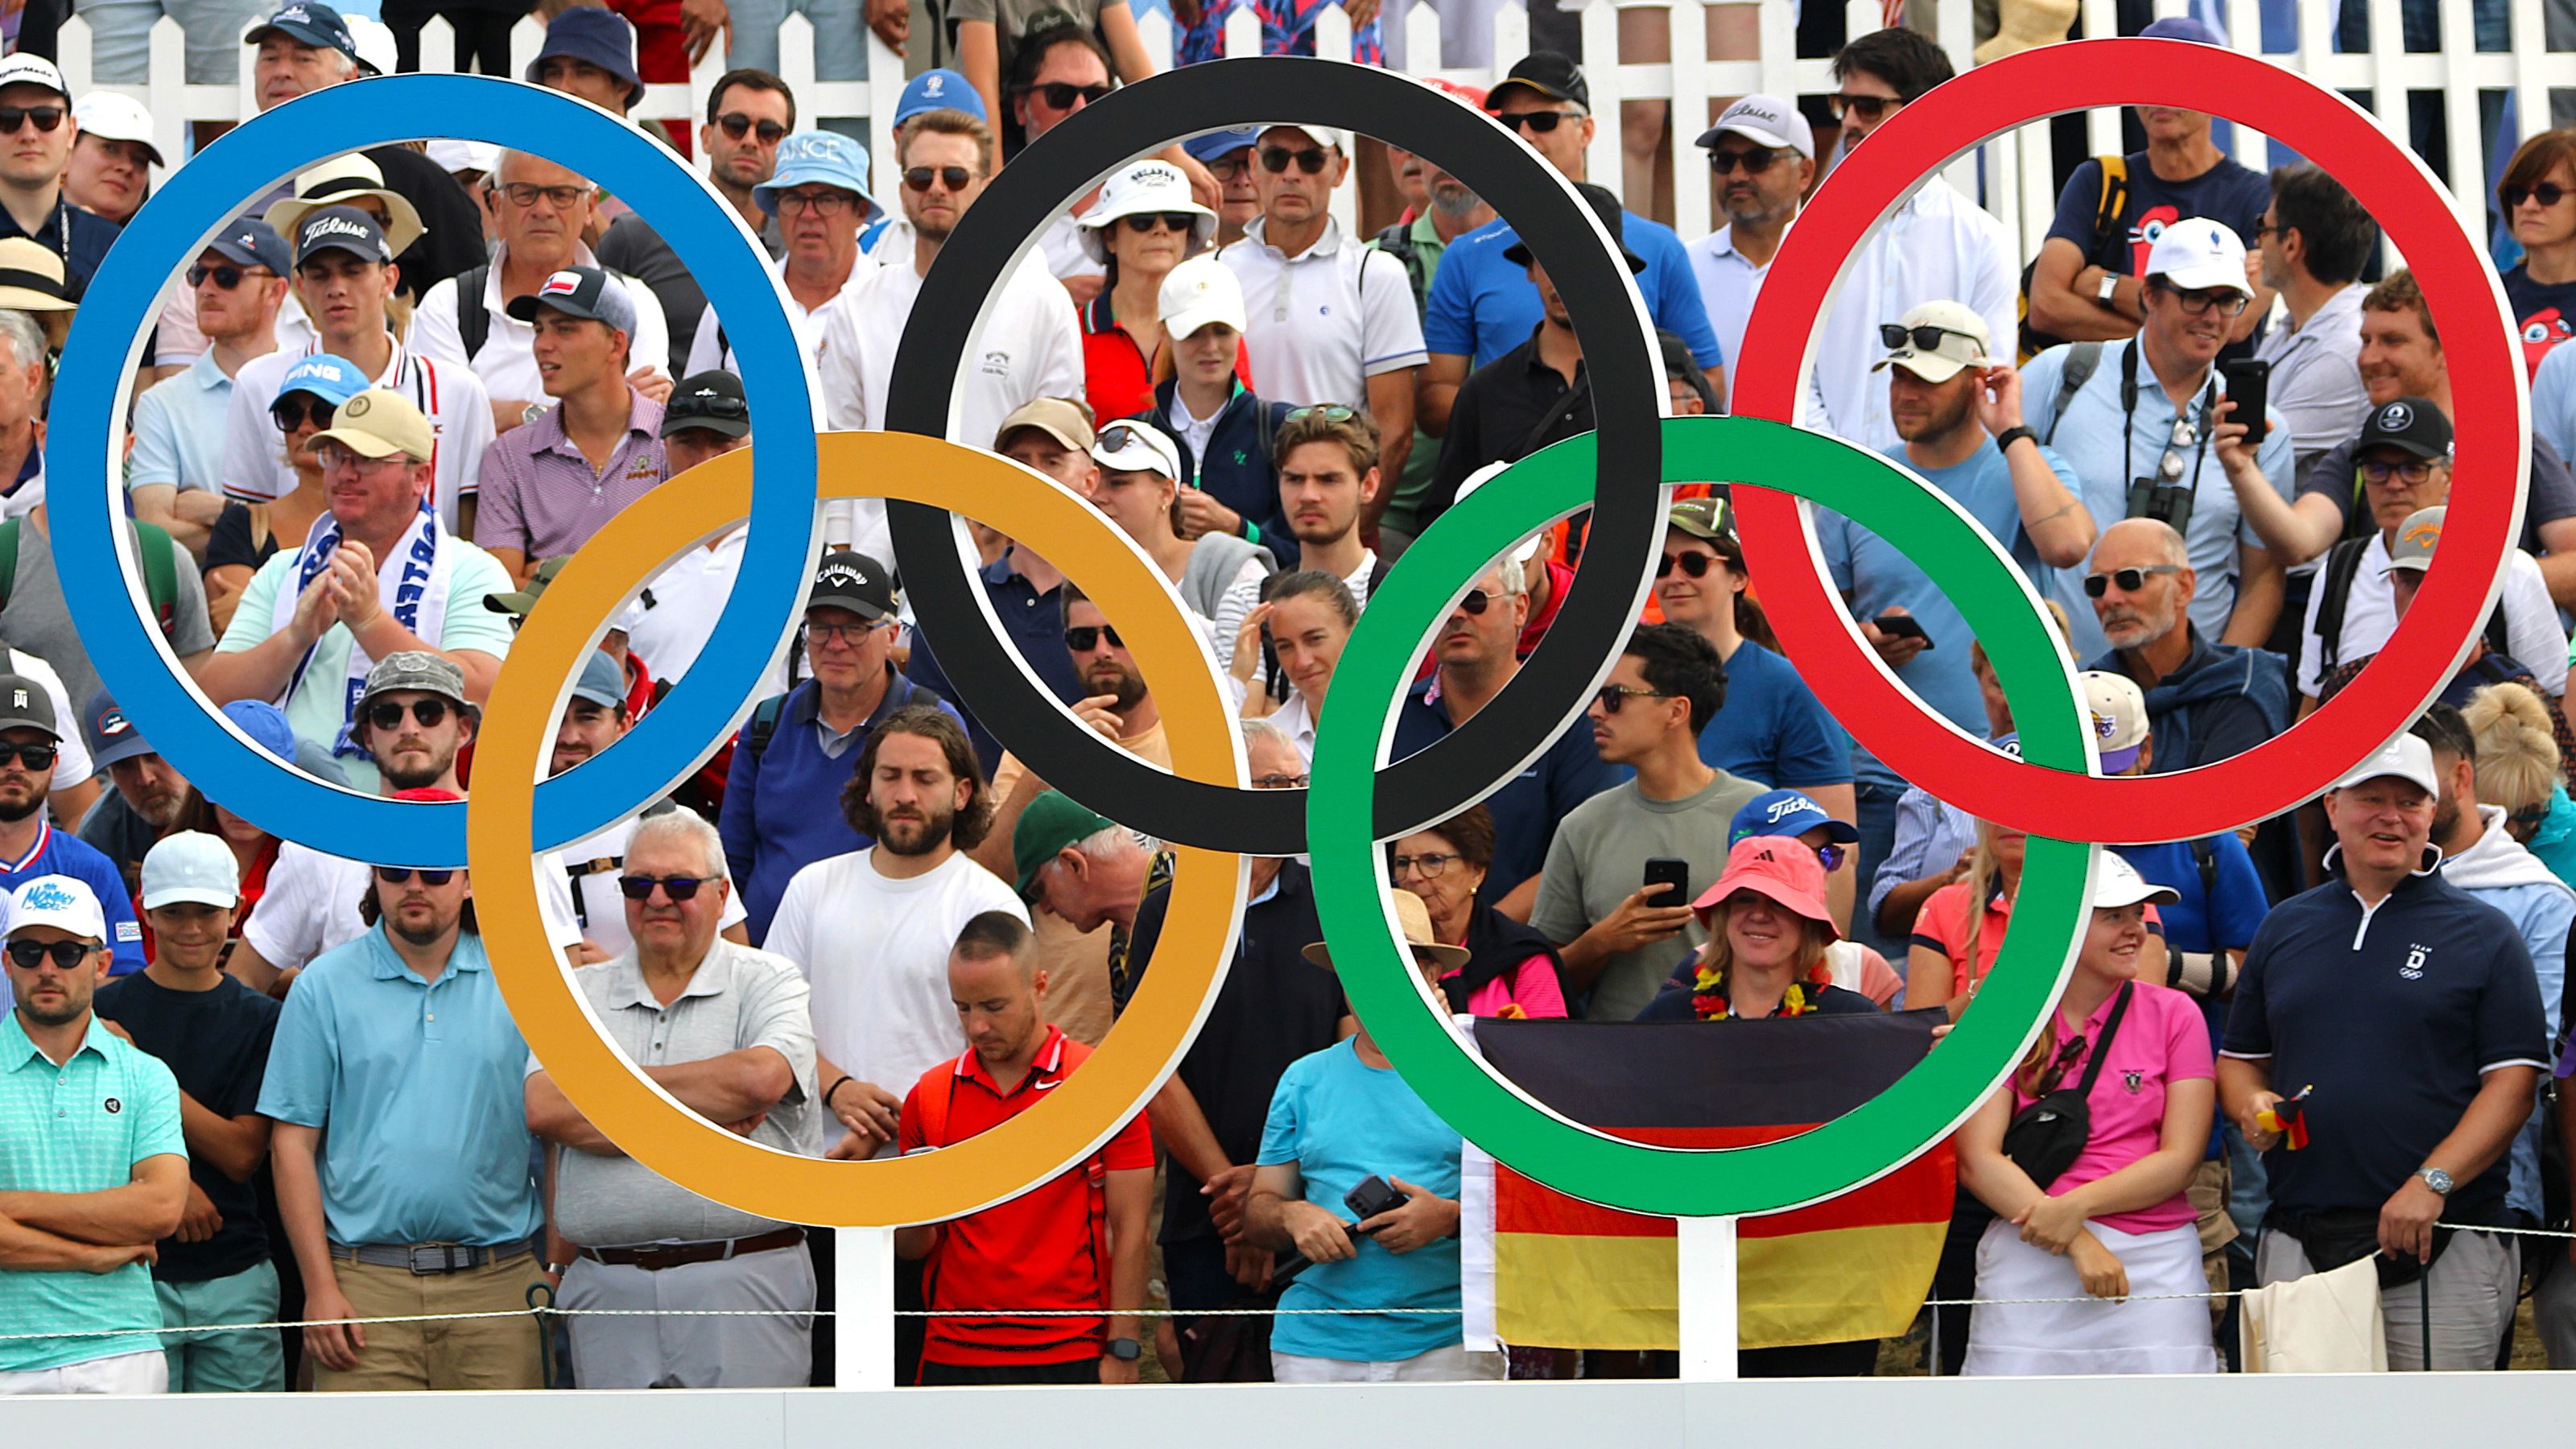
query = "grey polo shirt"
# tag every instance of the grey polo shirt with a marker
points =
(738, 998)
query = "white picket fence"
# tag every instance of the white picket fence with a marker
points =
(2012, 174)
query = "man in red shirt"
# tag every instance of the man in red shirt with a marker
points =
(1076, 1242)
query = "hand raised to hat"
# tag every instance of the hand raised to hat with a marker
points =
(1999, 400)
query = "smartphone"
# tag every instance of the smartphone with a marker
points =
(1667, 870)
(2249, 386)
(1903, 626)
(1370, 1198)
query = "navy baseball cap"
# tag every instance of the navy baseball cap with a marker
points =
(110, 734)
(307, 23)
(601, 37)
(1786, 812)
(341, 228)
(939, 90)
(252, 242)
(1204, 149)
(584, 292)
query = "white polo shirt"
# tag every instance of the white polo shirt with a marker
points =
(706, 351)
(255, 469)
(1936, 246)
(1729, 283)
(669, 622)
(507, 364)
(1325, 321)
(1030, 347)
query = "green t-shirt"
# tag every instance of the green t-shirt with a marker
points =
(1598, 859)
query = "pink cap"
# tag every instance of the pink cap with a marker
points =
(1780, 868)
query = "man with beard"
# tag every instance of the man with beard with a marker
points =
(1029, 346)
(413, 719)
(420, 1202)
(31, 847)
(1326, 458)
(749, 111)
(2205, 701)
(795, 751)
(1075, 953)
(1762, 154)
(151, 797)
(83, 1200)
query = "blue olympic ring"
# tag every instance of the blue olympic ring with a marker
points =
(192, 204)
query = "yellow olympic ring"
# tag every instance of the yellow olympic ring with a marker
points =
(646, 1122)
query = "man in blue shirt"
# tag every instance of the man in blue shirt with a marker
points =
(179, 422)
(2147, 415)
(84, 1196)
(1482, 303)
(397, 1048)
(1960, 413)
(31, 847)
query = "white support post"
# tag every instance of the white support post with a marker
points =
(1708, 1298)
(863, 1284)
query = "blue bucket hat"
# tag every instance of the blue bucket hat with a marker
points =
(601, 37)
(939, 90)
(335, 380)
(825, 157)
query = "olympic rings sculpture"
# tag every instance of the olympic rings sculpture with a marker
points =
(1357, 799)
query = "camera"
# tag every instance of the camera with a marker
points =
(2167, 503)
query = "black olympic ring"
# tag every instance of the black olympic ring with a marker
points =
(1627, 387)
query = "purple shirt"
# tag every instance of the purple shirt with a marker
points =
(538, 492)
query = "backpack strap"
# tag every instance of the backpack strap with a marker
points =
(2115, 195)
(473, 324)
(764, 723)
(2205, 855)
(2343, 565)
(2082, 358)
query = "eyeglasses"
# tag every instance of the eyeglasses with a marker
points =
(38, 757)
(1226, 168)
(1329, 412)
(1145, 221)
(1893, 335)
(2412, 470)
(829, 202)
(1060, 95)
(1754, 162)
(1868, 108)
(388, 714)
(1696, 565)
(45, 117)
(1612, 697)
(1281, 782)
(2129, 580)
(1830, 856)
(952, 177)
(844, 633)
(2228, 301)
(291, 413)
(1087, 637)
(337, 457)
(396, 875)
(1276, 160)
(525, 194)
(2547, 193)
(737, 125)
(678, 887)
(1540, 122)
(226, 276)
(1430, 865)
(2263, 229)
(66, 955)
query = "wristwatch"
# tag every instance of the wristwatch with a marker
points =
(1126, 1350)
(2436, 1179)
(2109, 284)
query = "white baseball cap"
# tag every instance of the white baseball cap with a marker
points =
(1149, 187)
(2119, 710)
(1765, 121)
(1133, 447)
(1963, 343)
(1200, 291)
(2406, 757)
(1324, 136)
(190, 868)
(1529, 548)
(2118, 884)
(111, 116)
(2197, 254)
(61, 901)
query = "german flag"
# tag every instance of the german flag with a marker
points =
(1548, 1270)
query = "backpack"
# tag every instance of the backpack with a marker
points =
(1397, 241)
(160, 570)
(2335, 577)
(2106, 214)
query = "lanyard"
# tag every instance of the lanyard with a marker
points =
(2129, 418)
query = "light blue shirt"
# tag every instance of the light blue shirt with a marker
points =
(80, 1127)
(2090, 437)
(2553, 400)
(179, 429)
(1482, 303)
(420, 1089)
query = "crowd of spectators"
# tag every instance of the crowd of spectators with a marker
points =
(249, 1082)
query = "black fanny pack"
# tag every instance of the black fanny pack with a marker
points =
(2334, 1239)
(2047, 1136)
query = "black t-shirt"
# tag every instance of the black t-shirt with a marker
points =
(230, 541)
(2553, 490)
(1276, 1006)
(2544, 314)
(216, 1043)
(2228, 193)
(2393, 1016)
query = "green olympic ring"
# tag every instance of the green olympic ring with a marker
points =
(1350, 878)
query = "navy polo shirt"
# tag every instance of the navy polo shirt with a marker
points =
(1567, 773)
(82, 250)
(1482, 303)
(1772, 727)
(1033, 622)
(2394, 1014)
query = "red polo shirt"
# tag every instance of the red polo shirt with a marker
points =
(1035, 1251)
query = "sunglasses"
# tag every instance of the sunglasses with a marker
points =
(1117, 436)
(1087, 637)
(1868, 108)
(2169, 464)
(824, 203)
(1179, 221)
(66, 955)
(2129, 580)
(389, 714)
(737, 125)
(1060, 95)
(226, 276)
(1276, 160)
(2547, 193)
(2066, 1058)
(34, 757)
(1696, 565)
(1540, 122)
(2413, 470)
(291, 413)
(952, 177)
(1476, 601)
(1612, 697)
(1754, 162)
(45, 117)
(1329, 412)
(1830, 856)
(396, 875)
(1922, 339)
(678, 887)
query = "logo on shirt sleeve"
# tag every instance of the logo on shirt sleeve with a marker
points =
(129, 933)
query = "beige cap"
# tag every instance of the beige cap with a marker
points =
(2119, 713)
(1963, 343)
(341, 182)
(1415, 918)
(31, 277)
(1062, 419)
(379, 423)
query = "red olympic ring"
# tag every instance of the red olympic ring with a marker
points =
(2486, 380)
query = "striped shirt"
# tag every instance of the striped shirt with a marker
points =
(254, 463)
